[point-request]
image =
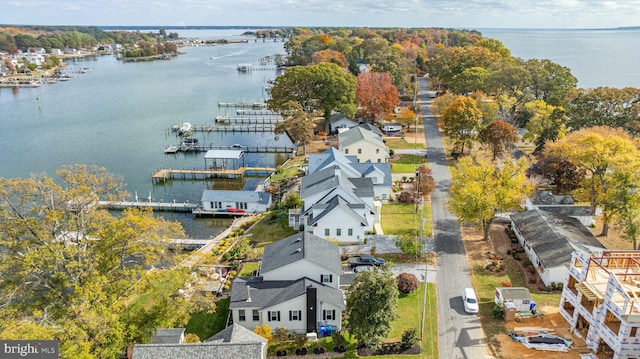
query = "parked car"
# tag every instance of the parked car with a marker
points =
(366, 260)
(362, 268)
(470, 301)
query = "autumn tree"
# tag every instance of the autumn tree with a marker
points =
(441, 103)
(376, 96)
(481, 188)
(499, 137)
(462, 121)
(407, 282)
(552, 168)
(405, 117)
(424, 180)
(329, 55)
(602, 151)
(68, 267)
(318, 89)
(372, 305)
(296, 123)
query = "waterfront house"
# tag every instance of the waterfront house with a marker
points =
(220, 201)
(601, 301)
(364, 144)
(338, 122)
(297, 287)
(561, 204)
(549, 239)
(234, 341)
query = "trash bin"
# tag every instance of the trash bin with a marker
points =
(509, 311)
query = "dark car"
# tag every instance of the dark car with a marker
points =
(366, 260)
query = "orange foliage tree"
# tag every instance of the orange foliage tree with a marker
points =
(376, 95)
(333, 56)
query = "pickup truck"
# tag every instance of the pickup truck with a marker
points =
(365, 261)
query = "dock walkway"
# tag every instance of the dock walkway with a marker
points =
(229, 128)
(156, 206)
(165, 174)
(246, 149)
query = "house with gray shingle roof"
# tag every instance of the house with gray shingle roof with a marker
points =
(364, 144)
(297, 288)
(561, 204)
(215, 201)
(549, 239)
(339, 122)
(234, 341)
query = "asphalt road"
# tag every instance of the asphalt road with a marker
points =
(460, 334)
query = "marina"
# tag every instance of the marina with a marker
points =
(243, 104)
(255, 120)
(248, 149)
(225, 128)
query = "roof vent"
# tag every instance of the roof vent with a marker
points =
(299, 239)
(248, 294)
(299, 250)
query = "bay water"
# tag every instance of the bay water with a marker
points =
(117, 115)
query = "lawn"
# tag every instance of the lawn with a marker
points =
(407, 163)
(403, 219)
(401, 143)
(272, 227)
(205, 325)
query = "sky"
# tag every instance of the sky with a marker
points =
(467, 14)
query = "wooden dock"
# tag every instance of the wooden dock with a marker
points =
(156, 206)
(165, 174)
(247, 149)
(243, 112)
(255, 120)
(243, 104)
(229, 128)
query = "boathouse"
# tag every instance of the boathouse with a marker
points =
(230, 202)
(224, 159)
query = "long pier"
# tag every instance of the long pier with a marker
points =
(243, 112)
(156, 206)
(165, 174)
(230, 128)
(247, 149)
(242, 104)
(255, 120)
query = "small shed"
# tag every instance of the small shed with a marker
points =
(519, 296)
(224, 159)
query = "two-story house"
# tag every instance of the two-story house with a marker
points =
(364, 144)
(297, 288)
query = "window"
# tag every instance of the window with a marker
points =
(241, 315)
(326, 278)
(328, 315)
(359, 150)
(525, 301)
(295, 315)
(634, 331)
(326, 232)
(274, 316)
(256, 315)
(379, 160)
(377, 150)
(338, 231)
(346, 151)
(350, 232)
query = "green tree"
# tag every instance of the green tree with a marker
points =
(625, 198)
(69, 267)
(550, 81)
(296, 123)
(319, 89)
(604, 106)
(412, 247)
(372, 305)
(481, 188)
(462, 120)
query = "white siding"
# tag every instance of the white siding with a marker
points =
(299, 269)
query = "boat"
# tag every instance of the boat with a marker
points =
(189, 144)
(235, 210)
(184, 128)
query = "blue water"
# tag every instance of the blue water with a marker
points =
(118, 115)
(596, 57)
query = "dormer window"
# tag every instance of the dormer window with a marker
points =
(326, 278)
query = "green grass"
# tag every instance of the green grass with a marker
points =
(205, 325)
(248, 268)
(401, 143)
(407, 164)
(272, 227)
(402, 219)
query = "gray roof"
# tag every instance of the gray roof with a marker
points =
(554, 237)
(236, 333)
(356, 134)
(371, 127)
(312, 248)
(199, 351)
(572, 211)
(229, 154)
(254, 292)
(327, 158)
(235, 196)
(338, 202)
(548, 198)
(339, 117)
(367, 167)
(514, 293)
(330, 178)
(168, 336)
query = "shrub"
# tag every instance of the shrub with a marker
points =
(409, 338)
(281, 335)
(560, 286)
(549, 288)
(554, 285)
(498, 312)
(407, 282)
(338, 339)
(264, 331)
(300, 339)
(506, 284)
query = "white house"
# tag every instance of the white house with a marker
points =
(561, 204)
(364, 144)
(338, 220)
(235, 201)
(339, 122)
(549, 239)
(519, 296)
(297, 288)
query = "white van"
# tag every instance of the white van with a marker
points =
(470, 301)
